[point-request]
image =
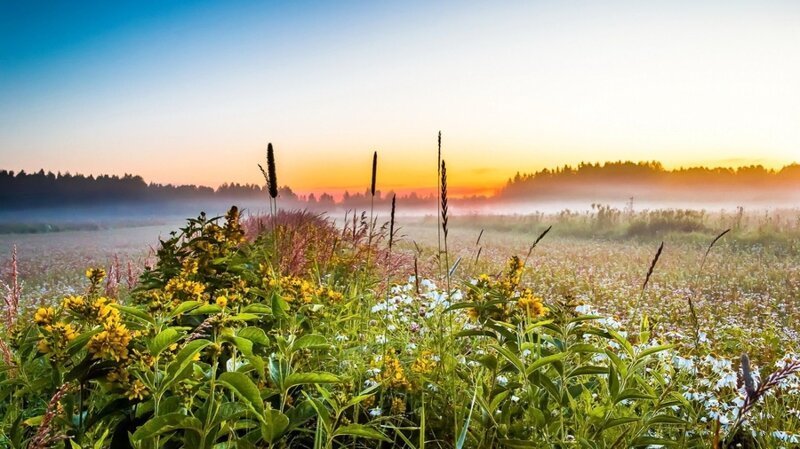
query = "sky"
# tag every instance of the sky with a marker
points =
(192, 91)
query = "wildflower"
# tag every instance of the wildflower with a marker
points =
(74, 304)
(111, 343)
(375, 412)
(393, 374)
(44, 316)
(43, 346)
(530, 304)
(95, 275)
(222, 301)
(398, 406)
(502, 380)
(136, 391)
(424, 364)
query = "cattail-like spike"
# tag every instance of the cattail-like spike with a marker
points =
(391, 222)
(652, 266)
(439, 200)
(272, 182)
(444, 199)
(374, 172)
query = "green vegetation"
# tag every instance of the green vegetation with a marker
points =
(287, 331)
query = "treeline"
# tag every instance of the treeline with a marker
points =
(651, 180)
(35, 190)
(23, 190)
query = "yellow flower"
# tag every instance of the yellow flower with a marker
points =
(73, 303)
(398, 406)
(222, 301)
(531, 305)
(43, 346)
(111, 343)
(64, 330)
(393, 374)
(44, 316)
(137, 390)
(514, 271)
(424, 363)
(95, 275)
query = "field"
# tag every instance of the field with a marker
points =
(298, 331)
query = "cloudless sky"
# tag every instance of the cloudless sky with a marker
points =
(191, 92)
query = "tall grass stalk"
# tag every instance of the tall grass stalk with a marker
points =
(693, 296)
(439, 203)
(649, 273)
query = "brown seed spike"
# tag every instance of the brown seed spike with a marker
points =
(391, 222)
(444, 199)
(374, 172)
(272, 179)
(652, 266)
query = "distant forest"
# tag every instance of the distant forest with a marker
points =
(650, 180)
(610, 181)
(38, 190)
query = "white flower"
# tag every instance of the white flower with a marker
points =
(502, 380)
(375, 412)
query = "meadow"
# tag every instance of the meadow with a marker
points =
(300, 330)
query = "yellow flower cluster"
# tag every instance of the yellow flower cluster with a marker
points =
(295, 288)
(95, 275)
(530, 304)
(133, 390)
(398, 406)
(424, 364)
(44, 316)
(56, 337)
(514, 269)
(392, 373)
(96, 311)
(112, 342)
(185, 289)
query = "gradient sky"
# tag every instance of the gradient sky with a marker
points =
(191, 92)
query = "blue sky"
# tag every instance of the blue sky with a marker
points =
(192, 91)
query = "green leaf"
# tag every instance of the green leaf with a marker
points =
(295, 379)
(167, 423)
(362, 431)
(184, 307)
(313, 341)
(275, 424)
(244, 389)
(654, 349)
(542, 361)
(134, 311)
(511, 357)
(183, 359)
(588, 370)
(162, 341)
(632, 393)
(208, 309)
(254, 334)
(619, 421)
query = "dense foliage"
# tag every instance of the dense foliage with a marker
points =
(300, 336)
